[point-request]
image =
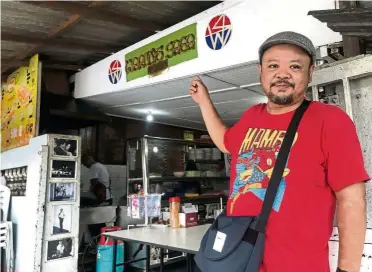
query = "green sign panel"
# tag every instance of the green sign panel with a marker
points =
(163, 53)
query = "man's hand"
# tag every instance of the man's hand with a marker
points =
(199, 92)
(351, 221)
(213, 122)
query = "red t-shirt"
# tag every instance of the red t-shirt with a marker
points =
(326, 156)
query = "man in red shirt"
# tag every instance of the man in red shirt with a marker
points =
(325, 165)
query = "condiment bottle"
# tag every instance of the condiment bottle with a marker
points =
(174, 206)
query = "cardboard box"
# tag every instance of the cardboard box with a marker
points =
(189, 216)
(188, 220)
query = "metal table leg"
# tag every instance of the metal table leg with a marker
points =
(161, 260)
(125, 266)
(114, 257)
(148, 256)
(190, 264)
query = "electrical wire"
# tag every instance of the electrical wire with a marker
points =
(92, 245)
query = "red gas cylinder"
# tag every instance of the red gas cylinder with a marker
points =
(106, 241)
(105, 252)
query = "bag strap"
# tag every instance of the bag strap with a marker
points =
(280, 164)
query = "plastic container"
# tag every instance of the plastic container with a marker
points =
(174, 206)
(105, 252)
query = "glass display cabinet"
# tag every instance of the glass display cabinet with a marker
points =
(175, 167)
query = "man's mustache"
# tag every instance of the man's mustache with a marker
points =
(282, 82)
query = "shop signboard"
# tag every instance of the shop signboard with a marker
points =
(168, 51)
(19, 106)
(188, 135)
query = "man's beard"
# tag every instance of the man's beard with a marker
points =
(280, 100)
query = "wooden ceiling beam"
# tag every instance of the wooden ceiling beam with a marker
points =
(46, 64)
(66, 45)
(101, 15)
(67, 24)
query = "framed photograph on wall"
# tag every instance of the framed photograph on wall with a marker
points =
(63, 169)
(62, 219)
(59, 249)
(63, 191)
(63, 147)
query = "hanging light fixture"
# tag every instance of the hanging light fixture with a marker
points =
(149, 117)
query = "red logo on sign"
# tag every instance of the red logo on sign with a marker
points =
(115, 72)
(218, 32)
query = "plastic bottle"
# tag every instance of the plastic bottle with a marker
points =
(174, 206)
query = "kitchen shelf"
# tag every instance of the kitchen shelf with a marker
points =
(210, 161)
(176, 179)
(152, 160)
(196, 200)
(169, 262)
(204, 144)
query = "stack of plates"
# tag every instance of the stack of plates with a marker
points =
(200, 154)
(193, 173)
(208, 153)
(216, 154)
(191, 154)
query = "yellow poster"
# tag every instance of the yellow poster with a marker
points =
(19, 106)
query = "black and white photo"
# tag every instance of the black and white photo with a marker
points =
(64, 147)
(58, 249)
(62, 191)
(63, 169)
(62, 219)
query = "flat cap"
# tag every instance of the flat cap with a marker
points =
(289, 37)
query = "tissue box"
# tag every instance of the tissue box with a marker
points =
(188, 219)
(189, 216)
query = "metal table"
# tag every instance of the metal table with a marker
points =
(185, 240)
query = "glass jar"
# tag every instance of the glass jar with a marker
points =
(174, 206)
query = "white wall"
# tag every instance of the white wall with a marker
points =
(358, 71)
(118, 174)
(24, 210)
(252, 22)
(367, 256)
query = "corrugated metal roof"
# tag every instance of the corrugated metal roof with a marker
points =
(365, 4)
(22, 18)
(64, 54)
(166, 11)
(61, 30)
(11, 49)
(103, 33)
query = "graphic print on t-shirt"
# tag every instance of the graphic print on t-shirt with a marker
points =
(255, 164)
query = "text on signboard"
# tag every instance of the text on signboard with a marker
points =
(173, 48)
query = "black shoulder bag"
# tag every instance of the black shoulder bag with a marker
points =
(236, 243)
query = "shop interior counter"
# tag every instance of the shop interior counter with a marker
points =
(97, 215)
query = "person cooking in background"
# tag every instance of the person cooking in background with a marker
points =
(100, 182)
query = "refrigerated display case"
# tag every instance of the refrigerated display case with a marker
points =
(174, 167)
